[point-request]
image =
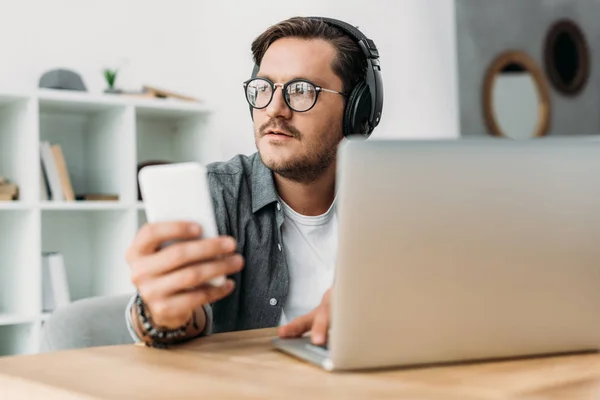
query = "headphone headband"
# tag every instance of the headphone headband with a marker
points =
(367, 45)
(373, 78)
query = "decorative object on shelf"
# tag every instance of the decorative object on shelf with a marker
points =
(110, 75)
(145, 164)
(8, 191)
(567, 57)
(156, 93)
(62, 79)
(516, 99)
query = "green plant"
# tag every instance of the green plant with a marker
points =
(110, 76)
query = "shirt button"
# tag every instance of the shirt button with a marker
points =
(279, 246)
(273, 301)
(279, 206)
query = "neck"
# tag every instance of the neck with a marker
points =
(310, 199)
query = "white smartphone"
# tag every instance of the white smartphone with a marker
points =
(179, 192)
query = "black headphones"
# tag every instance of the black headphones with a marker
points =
(364, 104)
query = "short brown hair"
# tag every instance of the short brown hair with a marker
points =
(350, 65)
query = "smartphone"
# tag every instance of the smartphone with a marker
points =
(179, 192)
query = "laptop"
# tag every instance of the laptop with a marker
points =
(462, 250)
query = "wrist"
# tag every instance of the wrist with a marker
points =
(157, 336)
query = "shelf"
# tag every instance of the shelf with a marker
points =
(17, 319)
(14, 205)
(96, 146)
(68, 205)
(93, 245)
(75, 102)
(60, 100)
(19, 339)
(7, 99)
(170, 138)
(103, 138)
(168, 109)
(84, 205)
(20, 319)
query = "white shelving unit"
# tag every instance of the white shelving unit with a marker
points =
(103, 138)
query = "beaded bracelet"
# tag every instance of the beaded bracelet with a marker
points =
(158, 335)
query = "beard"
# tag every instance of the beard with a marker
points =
(318, 154)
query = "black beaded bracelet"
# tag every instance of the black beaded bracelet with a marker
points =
(158, 336)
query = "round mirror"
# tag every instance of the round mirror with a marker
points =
(516, 100)
(567, 57)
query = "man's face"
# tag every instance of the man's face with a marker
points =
(300, 145)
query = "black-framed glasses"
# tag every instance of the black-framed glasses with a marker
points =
(299, 94)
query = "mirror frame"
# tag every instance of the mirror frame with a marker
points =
(497, 65)
(571, 28)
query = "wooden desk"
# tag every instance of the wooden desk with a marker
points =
(244, 365)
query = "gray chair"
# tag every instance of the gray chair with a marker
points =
(97, 321)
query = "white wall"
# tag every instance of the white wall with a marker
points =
(202, 48)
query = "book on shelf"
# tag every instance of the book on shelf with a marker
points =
(56, 173)
(44, 188)
(63, 172)
(55, 285)
(55, 180)
(97, 197)
(51, 172)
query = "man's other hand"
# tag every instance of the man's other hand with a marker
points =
(317, 322)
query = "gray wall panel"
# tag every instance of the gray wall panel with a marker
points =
(485, 28)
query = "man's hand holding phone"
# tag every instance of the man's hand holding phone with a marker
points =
(174, 281)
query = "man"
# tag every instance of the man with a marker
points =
(275, 209)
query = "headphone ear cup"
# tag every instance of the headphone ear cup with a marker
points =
(356, 114)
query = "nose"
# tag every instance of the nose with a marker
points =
(278, 107)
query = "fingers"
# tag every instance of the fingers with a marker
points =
(173, 311)
(320, 326)
(151, 236)
(179, 255)
(316, 321)
(171, 280)
(182, 254)
(190, 277)
(297, 327)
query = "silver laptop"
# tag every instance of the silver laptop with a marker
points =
(454, 251)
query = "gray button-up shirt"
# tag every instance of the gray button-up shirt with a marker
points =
(246, 207)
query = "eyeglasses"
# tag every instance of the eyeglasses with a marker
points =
(299, 94)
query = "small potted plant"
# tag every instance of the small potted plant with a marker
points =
(111, 76)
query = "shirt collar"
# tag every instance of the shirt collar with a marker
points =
(263, 185)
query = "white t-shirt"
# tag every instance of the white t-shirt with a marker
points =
(310, 247)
